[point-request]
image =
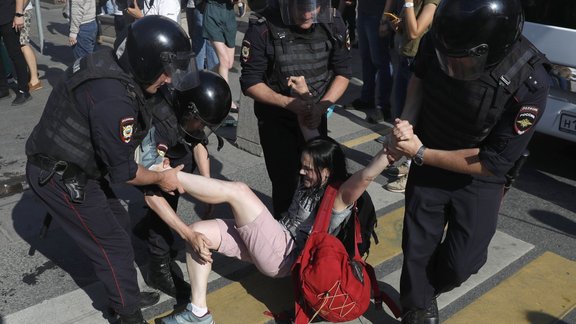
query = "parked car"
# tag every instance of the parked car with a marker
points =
(553, 31)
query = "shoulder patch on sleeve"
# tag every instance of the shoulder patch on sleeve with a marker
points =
(245, 51)
(126, 129)
(525, 119)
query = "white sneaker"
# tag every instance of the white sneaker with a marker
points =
(398, 185)
(397, 171)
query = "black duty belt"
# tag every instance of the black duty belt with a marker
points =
(49, 164)
(73, 177)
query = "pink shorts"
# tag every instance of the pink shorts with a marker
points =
(264, 242)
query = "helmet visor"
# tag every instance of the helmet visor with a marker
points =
(194, 127)
(299, 12)
(464, 65)
(181, 68)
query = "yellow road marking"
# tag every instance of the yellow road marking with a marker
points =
(361, 140)
(541, 292)
(245, 301)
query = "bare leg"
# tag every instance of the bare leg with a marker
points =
(226, 58)
(245, 205)
(30, 58)
(199, 271)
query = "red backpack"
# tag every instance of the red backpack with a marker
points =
(330, 283)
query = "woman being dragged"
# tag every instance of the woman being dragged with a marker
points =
(253, 235)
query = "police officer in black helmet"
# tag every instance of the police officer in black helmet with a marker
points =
(85, 140)
(478, 90)
(182, 122)
(292, 38)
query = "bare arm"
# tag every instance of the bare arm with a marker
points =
(334, 92)
(413, 100)
(18, 22)
(262, 93)
(353, 188)
(465, 161)
(167, 180)
(203, 162)
(197, 240)
(416, 26)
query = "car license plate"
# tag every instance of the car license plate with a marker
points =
(567, 123)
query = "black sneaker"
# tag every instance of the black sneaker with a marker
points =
(422, 316)
(375, 117)
(21, 97)
(148, 298)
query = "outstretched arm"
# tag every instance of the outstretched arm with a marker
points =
(198, 241)
(354, 186)
(202, 159)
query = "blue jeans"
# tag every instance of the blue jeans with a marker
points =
(374, 51)
(85, 40)
(402, 74)
(206, 57)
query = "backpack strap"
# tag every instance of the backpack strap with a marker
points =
(380, 296)
(324, 214)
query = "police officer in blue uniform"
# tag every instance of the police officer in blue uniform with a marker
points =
(85, 140)
(479, 87)
(292, 38)
(182, 123)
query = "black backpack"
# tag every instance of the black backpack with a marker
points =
(368, 221)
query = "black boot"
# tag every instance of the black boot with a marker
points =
(422, 316)
(161, 277)
(149, 298)
(134, 318)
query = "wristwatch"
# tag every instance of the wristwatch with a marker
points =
(418, 158)
(18, 14)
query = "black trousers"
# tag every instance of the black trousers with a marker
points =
(11, 39)
(101, 227)
(436, 198)
(282, 143)
(159, 236)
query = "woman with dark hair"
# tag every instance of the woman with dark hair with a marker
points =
(253, 234)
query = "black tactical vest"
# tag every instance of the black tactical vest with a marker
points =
(164, 117)
(296, 54)
(63, 133)
(459, 114)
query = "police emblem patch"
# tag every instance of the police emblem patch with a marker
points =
(126, 129)
(245, 51)
(161, 149)
(525, 119)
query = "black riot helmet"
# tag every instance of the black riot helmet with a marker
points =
(298, 12)
(156, 45)
(202, 109)
(473, 35)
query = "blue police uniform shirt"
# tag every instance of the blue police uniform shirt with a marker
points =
(112, 116)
